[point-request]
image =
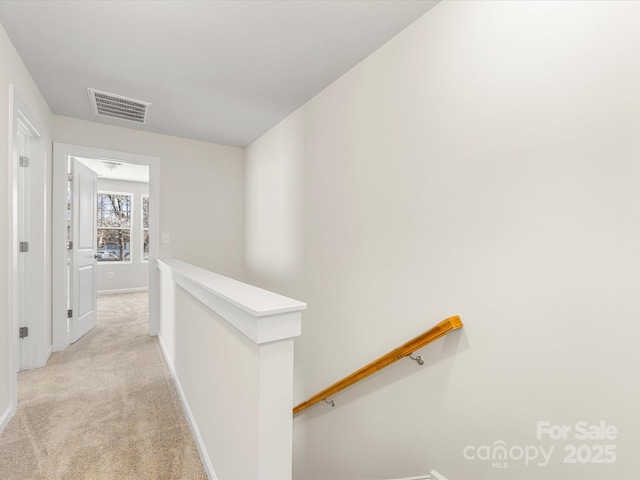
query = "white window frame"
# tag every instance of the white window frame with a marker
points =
(131, 223)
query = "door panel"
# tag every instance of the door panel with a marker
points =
(83, 263)
(86, 287)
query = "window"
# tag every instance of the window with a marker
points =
(114, 227)
(145, 228)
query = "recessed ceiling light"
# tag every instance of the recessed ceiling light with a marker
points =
(111, 165)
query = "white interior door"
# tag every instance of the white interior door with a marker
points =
(29, 282)
(83, 288)
(24, 257)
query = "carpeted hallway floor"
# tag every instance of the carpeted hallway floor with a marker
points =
(105, 408)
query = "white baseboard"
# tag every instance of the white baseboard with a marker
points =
(433, 475)
(423, 477)
(123, 290)
(204, 456)
(6, 416)
(428, 477)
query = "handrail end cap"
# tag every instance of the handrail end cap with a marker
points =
(455, 322)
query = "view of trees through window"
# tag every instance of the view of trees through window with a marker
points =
(114, 227)
(145, 227)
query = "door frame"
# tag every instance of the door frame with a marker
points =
(39, 347)
(61, 152)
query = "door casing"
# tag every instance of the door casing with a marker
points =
(61, 154)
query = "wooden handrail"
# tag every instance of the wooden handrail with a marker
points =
(441, 329)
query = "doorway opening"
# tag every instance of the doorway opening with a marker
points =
(121, 232)
(107, 244)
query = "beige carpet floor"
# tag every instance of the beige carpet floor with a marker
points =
(105, 408)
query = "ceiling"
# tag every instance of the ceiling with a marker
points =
(218, 71)
(114, 170)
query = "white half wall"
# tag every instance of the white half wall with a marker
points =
(229, 346)
(484, 162)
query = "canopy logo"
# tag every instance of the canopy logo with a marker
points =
(500, 454)
(579, 443)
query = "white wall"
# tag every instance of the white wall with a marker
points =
(13, 72)
(201, 190)
(483, 163)
(133, 275)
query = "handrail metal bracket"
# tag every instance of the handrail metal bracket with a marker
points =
(419, 360)
(329, 402)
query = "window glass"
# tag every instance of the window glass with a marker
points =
(114, 227)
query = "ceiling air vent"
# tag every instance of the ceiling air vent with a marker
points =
(118, 106)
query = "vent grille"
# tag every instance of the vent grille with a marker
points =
(118, 106)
